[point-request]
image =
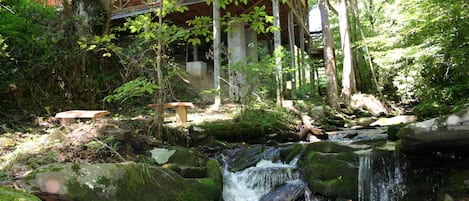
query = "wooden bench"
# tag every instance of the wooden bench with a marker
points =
(181, 110)
(68, 117)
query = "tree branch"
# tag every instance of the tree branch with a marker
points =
(331, 7)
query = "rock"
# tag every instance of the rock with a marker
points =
(118, 182)
(368, 102)
(290, 191)
(56, 135)
(9, 194)
(318, 113)
(451, 131)
(243, 157)
(330, 169)
(401, 119)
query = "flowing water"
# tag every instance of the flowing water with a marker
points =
(255, 182)
(379, 177)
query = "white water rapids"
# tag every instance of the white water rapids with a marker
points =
(254, 182)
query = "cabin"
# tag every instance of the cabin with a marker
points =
(294, 25)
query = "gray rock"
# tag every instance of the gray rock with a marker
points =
(116, 182)
(294, 190)
(447, 131)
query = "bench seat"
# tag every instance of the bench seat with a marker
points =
(68, 117)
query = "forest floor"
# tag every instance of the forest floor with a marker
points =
(43, 141)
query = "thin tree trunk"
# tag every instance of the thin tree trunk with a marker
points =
(216, 52)
(291, 37)
(160, 97)
(329, 58)
(348, 75)
(302, 59)
(278, 49)
(358, 27)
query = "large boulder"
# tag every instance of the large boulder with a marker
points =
(451, 131)
(119, 181)
(331, 170)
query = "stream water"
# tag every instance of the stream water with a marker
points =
(379, 177)
(382, 174)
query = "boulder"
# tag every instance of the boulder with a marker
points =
(242, 157)
(294, 190)
(451, 131)
(330, 170)
(369, 103)
(118, 181)
(400, 119)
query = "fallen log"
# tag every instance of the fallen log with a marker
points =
(307, 127)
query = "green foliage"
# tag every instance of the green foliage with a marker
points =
(3, 48)
(200, 27)
(430, 109)
(258, 19)
(259, 75)
(103, 44)
(135, 88)
(420, 48)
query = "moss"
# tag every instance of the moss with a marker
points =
(9, 194)
(332, 171)
(214, 172)
(76, 168)
(104, 181)
(187, 157)
(201, 190)
(291, 151)
(79, 191)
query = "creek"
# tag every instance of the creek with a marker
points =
(321, 171)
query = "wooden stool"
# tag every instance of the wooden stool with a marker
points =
(181, 110)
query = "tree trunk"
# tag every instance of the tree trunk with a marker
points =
(329, 58)
(107, 5)
(291, 37)
(216, 52)
(159, 73)
(278, 49)
(348, 74)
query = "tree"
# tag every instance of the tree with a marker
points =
(278, 52)
(329, 58)
(348, 75)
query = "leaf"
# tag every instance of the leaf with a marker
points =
(161, 156)
(91, 47)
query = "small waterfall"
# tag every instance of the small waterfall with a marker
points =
(379, 177)
(364, 176)
(253, 183)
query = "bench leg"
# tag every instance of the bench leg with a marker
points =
(67, 121)
(181, 115)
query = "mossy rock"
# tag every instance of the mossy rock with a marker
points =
(120, 182)
(187, 157)
(328, 147)
(233, 131)
(9, 194)
(288, 152)
(331, 170)
(214, 171)
(187, 171)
